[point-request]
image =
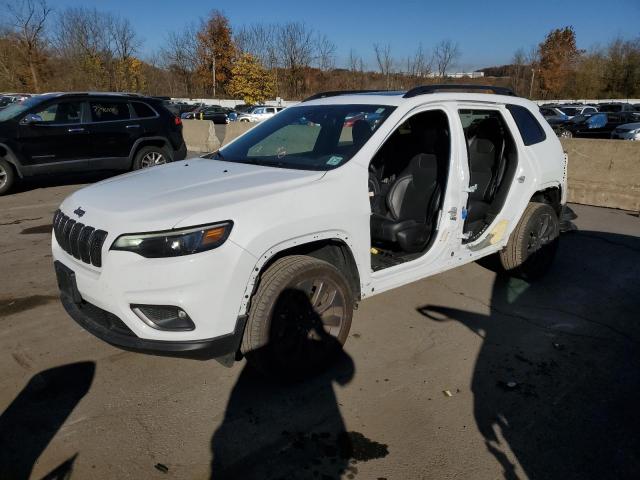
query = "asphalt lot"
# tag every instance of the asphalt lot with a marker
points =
(543, 378)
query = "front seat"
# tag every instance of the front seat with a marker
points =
(412, 201)
(360, 133)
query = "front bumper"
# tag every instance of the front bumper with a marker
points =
(109, 328)
(209, 286)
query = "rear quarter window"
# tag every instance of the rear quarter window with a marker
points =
(530, 130)
(143, 110)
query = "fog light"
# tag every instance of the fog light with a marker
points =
(164, 317)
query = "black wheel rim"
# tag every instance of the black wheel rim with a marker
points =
(543, 233)
(307, 319)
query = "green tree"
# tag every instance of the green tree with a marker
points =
(250, 81)
(558, 54)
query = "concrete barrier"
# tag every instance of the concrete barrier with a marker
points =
(235, 129)
(604, 173)
(200, 136)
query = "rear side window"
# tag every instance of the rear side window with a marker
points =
(529, 128)
(109, 111)
(143, 110)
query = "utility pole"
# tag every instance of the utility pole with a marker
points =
(533, 75)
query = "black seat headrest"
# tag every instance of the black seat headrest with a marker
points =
(360, 132)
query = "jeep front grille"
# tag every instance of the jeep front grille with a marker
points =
(77, 239)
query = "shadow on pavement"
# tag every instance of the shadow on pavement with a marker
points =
(557, 379)
(274, 429)
(35, 416)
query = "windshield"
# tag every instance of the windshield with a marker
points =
(18, 108)
(320, 137)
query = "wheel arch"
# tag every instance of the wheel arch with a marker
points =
(7, 154)
(149, 142)
(551, 196)
(333, 249)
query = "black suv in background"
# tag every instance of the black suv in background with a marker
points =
(64, 132)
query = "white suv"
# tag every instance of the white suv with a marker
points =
(258, 114)
(264, 248)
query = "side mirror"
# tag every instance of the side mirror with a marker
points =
(31, 118)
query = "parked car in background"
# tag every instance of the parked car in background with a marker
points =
(627, 131)
(259, 113)
(193, 112)
(553, 114)
(243, 108)
(598, 125)
(217, 114)
(615, 107)
(5, 101)
(178, 108)
(572, 110)
(8, 98)
(64, 132)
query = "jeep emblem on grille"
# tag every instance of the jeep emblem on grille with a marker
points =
(79, 211)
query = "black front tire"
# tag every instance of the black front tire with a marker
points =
(533, 244)
(144, 157)
(299, 318)
(7, 176)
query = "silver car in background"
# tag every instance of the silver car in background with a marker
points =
(627, 131)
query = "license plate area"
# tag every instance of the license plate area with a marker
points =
(67, 282)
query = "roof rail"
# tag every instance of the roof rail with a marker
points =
(424, 89)
(336, 93)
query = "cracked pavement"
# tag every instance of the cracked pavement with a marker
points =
(543, 377)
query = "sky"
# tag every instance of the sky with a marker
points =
(488, 32)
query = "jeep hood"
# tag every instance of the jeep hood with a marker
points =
(162, 197)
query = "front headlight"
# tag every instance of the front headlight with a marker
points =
(174, 243)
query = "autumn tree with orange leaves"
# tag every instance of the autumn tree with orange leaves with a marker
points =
(216, 53)
(558, 54)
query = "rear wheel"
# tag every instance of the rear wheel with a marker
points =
(151, 156)
(299, 318)
(7, 176)
(533, 244)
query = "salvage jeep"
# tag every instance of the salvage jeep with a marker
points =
(264, 248)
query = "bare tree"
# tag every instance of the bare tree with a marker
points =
(83, 41)
(180, 57)
(28, 19)
(295, 43)
(325, 52)
(261, 41)
(418, 65)
(518, 70)
(385, 61)
(445, 55)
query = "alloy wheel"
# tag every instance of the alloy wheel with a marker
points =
(152, 159)
(3, 176)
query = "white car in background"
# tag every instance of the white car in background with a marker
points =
(258, 114)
